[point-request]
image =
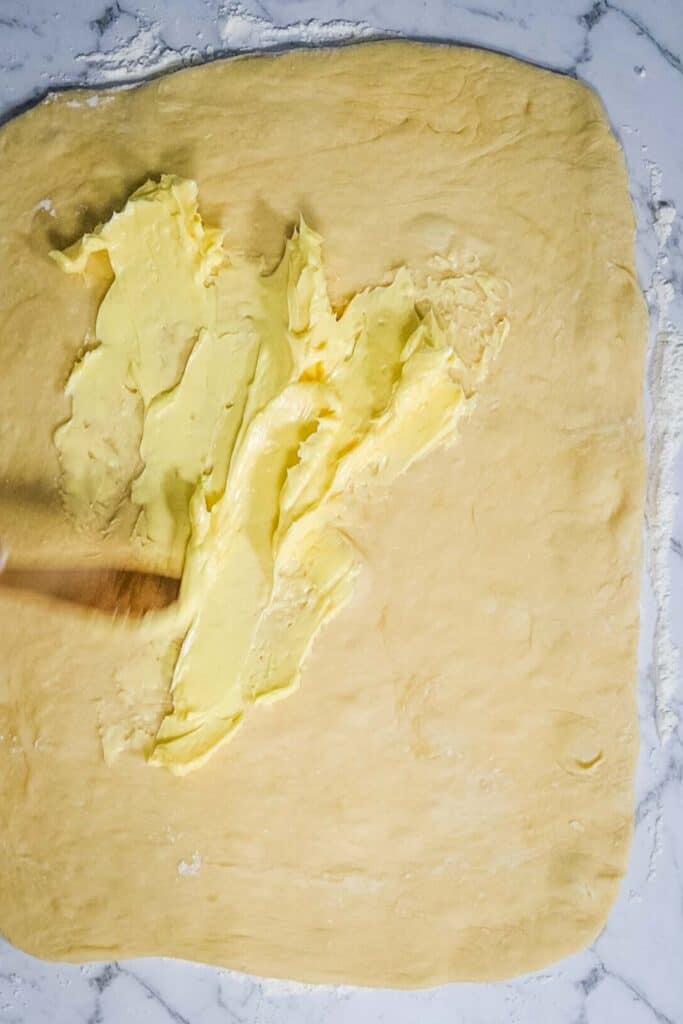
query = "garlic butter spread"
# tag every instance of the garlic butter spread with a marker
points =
(243, 415)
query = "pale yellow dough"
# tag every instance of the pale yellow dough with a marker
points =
(448, 793)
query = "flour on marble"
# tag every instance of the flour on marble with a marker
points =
(666, 434)
(241, 30)
(144, 52)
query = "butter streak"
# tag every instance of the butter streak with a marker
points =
(264, 417)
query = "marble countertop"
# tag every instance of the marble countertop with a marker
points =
(631, 52)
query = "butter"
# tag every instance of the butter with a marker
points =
(256, 416)
(161, 303)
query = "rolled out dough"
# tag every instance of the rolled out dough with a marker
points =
(449, 793)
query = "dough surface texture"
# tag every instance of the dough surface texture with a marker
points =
(446, 792)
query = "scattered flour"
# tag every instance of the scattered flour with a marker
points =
(43, 204)
(146, 51)
(91, 101)
(666, 433)
(241, 30)
(191, 867)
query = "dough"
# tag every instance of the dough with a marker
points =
(259, 416)
(448, 794)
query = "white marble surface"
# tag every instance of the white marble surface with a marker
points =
(631, 51)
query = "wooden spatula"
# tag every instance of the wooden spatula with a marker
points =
(110, 590)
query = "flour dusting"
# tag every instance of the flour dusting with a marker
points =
(666, 433)
(91, 101)
(144, 52)
(48, 207)
(241, 30)
(147, 51)
(189, 868)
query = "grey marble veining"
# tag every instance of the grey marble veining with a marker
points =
(631, 52)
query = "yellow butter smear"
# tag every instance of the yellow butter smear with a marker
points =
(243, 415)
